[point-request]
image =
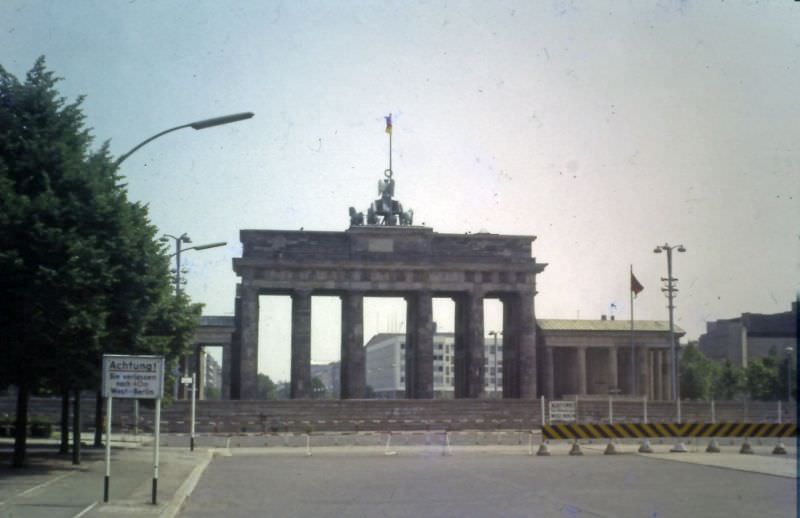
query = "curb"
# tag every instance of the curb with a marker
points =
(183, 492)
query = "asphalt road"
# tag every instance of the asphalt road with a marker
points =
(362, 482)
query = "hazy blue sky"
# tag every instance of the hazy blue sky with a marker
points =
(602, 128)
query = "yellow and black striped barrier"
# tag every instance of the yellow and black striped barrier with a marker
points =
(654, 430)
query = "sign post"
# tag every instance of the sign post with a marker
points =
(191, 380)
(132, 377)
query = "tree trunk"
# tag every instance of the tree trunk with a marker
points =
(98, 421)
(76, 428)
(64, 448)
(20, 433)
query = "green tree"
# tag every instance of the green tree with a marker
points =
(764, 378)
(729, 381)
(80, 270)
(696, 373)
(265, 388)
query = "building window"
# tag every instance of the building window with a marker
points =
(402, 345)
(439, 368)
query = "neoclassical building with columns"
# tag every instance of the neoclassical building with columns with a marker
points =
(600, 357)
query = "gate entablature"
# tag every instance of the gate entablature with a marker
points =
(408, 261)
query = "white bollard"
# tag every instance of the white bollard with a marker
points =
(779, 412)
(387, 450)
(308, 445)
(713, 413)
(446, 445)
(644, 400)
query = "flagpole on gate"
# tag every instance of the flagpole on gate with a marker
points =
(389, 131)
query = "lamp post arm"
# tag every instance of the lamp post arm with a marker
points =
(201, 247)
(129, 153)
(198, 125)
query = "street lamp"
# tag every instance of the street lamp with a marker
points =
(198, 125)
(179, 240)
(789, 351)
(494, 354)
(670, 290)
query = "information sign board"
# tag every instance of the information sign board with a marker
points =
(133, 377)
(562, 411)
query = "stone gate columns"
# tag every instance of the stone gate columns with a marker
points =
(248, 342)
(510, 347)
(549, 373)
(419, 346)
(527, 347)
(301, 344)
(469, 346)
(353, 380)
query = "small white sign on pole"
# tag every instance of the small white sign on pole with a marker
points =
(562, 411)
(186, 380)
(133, 377)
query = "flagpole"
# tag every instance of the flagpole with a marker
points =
(633, 362)
(390, 151)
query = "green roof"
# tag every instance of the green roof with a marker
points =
(558, 324)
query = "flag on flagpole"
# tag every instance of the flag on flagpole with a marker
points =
(389, 124)
(636, 286)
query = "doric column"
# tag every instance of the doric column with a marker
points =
(248, 358)
(613, 374)
(469, 347)
(630, 372)
(643, 383)
(580, 368)
(353, 380)
(510, 346)
(658, 375)
(226, 371)
(301, 344)
(549, 373)
(475, 345)
(419, 346)
(667, 377)
(527, 347)
(460, 349)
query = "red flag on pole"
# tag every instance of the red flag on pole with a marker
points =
(636, 286)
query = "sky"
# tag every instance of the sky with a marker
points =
(602, 128)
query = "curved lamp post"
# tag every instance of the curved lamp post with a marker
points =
(198, 125)
(670, 291)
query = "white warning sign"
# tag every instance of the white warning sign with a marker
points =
(133, 377)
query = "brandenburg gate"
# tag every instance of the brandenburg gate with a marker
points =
(389, 256)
